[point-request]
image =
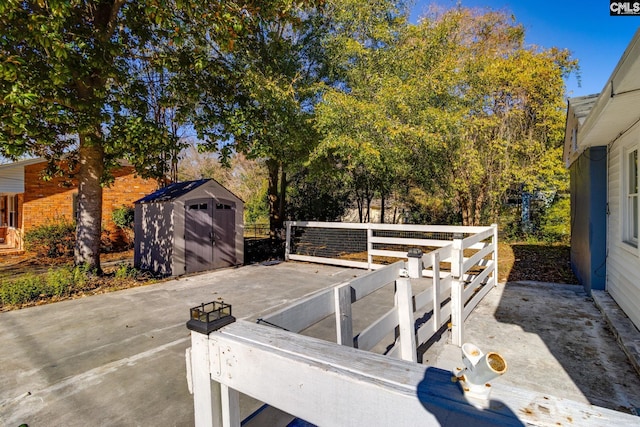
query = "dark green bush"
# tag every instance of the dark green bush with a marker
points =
(52, 240)
(123, 217)
(57, 282)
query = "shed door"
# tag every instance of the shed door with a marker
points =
(198, 235)
(224, 249)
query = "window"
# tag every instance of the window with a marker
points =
(630, 211)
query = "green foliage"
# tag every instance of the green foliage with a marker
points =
(126, 271)
(57, 282)
(555, 225)
(123, 217)
(51, 240)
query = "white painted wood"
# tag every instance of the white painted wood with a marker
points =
(344, 318)
(436, 289)
(304, 313)
(330, 261)
(388, 253)
(457, 258)
(402, 227)
(287, 247)
(376, 331)
(479, 236)
(333, 385)
(473, 303)
(457, 309)
(494, 242)
(410, 242)
(207, 403)
(370, 247)
(623, 260)
(371, 282)
(230, 400)
(477, 257)
(405, 319)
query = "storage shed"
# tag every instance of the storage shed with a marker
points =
(188, 227)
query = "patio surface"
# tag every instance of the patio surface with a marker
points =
(118, 359)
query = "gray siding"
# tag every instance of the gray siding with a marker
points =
(154, 231)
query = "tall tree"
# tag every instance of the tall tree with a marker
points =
(259, 97)
(68, 87)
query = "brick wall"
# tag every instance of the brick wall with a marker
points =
(46, 201)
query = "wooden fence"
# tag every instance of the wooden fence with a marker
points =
(332, 385)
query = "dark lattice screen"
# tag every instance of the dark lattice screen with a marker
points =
(329, 242)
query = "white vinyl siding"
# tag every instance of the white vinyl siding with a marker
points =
(623, 263)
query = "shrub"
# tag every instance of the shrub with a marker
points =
(51, 240)
(57, 282)
(21, 290)
(123, 218)
(126, 271)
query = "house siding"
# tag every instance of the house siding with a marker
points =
(588, 231)
(47, 201)
(623, 261)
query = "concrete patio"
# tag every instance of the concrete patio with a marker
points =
(118, 359)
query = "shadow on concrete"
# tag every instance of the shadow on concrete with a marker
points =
(574, 331)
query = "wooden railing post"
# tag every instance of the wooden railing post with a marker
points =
(405, 319)
(457, 292)
(437, 315)
(207, 396)
(495, 254)
(344, 319)
(369, 246)
(287, 244)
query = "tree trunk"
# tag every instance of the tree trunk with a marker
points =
(275, 221)
(382, 209)
(89, 220)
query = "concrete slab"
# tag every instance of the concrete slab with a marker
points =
(118, 359)
(555, 341)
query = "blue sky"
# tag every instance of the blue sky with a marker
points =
(584, 27)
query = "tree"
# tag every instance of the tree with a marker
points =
(258, 99)
(68, 87)
(359, 133)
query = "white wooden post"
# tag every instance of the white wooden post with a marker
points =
(405, 320)
(437, 315)
(230, 406)
(344, 319)
(287, 243)
(369, 246)
(457, 292)
(207, 399)
(495, 254)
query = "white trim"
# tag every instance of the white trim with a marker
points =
(628, 242)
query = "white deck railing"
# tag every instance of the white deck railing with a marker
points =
(332, 385)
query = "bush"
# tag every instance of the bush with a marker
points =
(123, 218)
(52, 240)
(58, 282)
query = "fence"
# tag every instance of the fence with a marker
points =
(256, 231)
(328, 384)
(332, 385)
(366, 245)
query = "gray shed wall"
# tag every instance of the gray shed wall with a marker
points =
(154, 242)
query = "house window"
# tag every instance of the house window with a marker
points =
(630, 212)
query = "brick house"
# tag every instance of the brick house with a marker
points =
(27, 201)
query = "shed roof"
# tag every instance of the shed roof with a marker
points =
(172, 191)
